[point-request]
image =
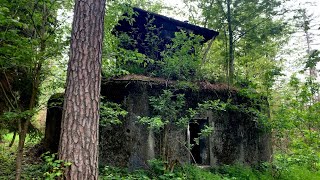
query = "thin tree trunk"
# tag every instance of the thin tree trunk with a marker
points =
(230, 38)
(13, 138)
(204, 59)
(312, 70)
(24, 123)
(79, 127)
(22, 137)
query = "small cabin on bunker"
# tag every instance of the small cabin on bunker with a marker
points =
(237, 137)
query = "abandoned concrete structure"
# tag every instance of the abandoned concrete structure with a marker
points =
(236, 136)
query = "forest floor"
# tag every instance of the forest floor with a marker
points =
(37, 168)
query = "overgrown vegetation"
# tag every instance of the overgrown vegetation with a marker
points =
(33, 37)
(169, 111)
(280, 169)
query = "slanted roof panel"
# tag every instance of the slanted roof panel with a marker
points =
(166, 26)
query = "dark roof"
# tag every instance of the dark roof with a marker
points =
(166, 29)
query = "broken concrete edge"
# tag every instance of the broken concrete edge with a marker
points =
(257, 100)
(201, 85)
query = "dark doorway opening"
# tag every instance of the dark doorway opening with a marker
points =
(199, 150)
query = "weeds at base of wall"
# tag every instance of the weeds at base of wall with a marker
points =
(265, 171)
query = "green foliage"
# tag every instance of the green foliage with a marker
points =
(205, 132)
(168, 108)
(242, 172)
(226, 172)
(54, 167)
(249, 31)
(32, 169)
(152, 41)
(117, 60)
(110, 113)
(10, 116)
(113, 173)
(296, 123)
(299, 172)
(253, 108)
(192, 172)
(182, 58)
(32, 42)
(155, 123)
(313, 59)
(31, 38)
(168, 111)
(214, 105)
(9, 122)
(157, 171)
(7, 163)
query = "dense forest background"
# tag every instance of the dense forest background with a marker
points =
(255, 52)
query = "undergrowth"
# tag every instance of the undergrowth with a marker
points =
(227, 172)
(31, 169)
(156, 171)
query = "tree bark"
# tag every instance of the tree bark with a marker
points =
(79, 127)
(24, 122)
(23, 129)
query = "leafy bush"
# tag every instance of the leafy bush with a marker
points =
(114, 173)
(242, 172)
(299, 172)
(168, 111)
(157, 171)
(182, 59)
(7, 163)
(192, 172)
(110, 113)
(53, 166)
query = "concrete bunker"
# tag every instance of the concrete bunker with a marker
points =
(236, 138)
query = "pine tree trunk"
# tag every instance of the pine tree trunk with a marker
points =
(79, 127)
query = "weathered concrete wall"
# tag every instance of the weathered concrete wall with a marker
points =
(53, 123)
(236, 137)
(129, 144)
(132, 144)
